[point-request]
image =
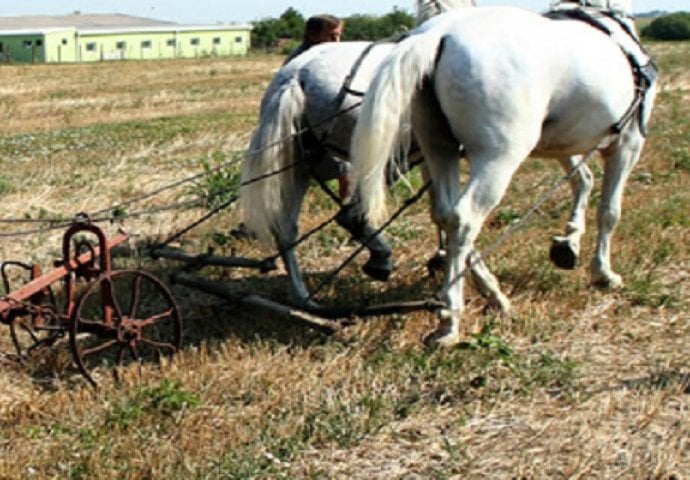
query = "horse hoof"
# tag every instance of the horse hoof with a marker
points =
(562, 255)
(613, 281)
(378, 271)
(441, 338)
(306, 304)
(446, 334)
(499, 303)
(379, 266)
(436, 264)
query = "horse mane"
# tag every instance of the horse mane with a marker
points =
(427, 9)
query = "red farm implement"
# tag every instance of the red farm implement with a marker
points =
(108, 316)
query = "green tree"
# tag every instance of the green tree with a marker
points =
(360, 27)
(291, 24)
(268, 32)
(396, 22)
(372, 27)
(265, 33)
(675, 26)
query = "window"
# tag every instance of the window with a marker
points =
(216, 41)
(146, 44)
(2, 47)
(91, 47)
(239, 40)
(27, 43)
(121, 45)
(65, 41)
(38, 43)
(194, 42)
(171, 42)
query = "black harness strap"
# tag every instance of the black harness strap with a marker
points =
(578, 14)
(645, 75)
(319, 135)
(346, 89)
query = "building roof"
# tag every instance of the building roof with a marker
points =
(98, 23)
(79, 21)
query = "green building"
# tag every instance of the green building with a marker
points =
(100, 37)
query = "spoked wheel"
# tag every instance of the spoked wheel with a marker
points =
(124, 316)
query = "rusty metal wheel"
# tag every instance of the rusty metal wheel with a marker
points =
(122, 317)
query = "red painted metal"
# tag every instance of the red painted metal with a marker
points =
(32, 309)
(38, 284)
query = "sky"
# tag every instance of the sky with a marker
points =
(244, 11)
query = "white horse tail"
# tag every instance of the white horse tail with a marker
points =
(268, 170)
(383, 127)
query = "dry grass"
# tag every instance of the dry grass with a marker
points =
(576, 383)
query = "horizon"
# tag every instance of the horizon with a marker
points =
(218, 11)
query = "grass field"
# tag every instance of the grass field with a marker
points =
(575, 383)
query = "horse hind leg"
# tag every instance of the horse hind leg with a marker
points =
(487, 283)
(565, 249)
(380, 263)
(489, 178)
(286, 235)
(619, 161)
(327, 167)
(436, 264)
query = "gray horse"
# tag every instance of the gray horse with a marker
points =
(506, 84)
(306, 121)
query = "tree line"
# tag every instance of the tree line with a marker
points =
(674, 26)
(285, 32)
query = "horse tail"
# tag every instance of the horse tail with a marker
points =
(383, 126)
(269, 168)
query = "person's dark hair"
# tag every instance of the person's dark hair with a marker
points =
(319, 23)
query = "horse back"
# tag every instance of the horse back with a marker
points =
(563, 82)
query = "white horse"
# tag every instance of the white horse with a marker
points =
(506, 84)
(306, 120)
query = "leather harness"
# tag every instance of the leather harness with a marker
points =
(645, 74)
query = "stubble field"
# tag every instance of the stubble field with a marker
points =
(575, 383)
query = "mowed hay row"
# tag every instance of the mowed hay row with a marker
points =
(575, 383)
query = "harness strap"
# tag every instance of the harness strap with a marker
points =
(345, 90)
(644, 78)
(645, 75)
(578, 14)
